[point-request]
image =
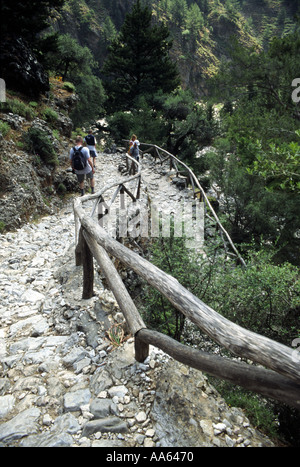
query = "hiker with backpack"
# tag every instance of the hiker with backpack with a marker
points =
(134, 148)
(91, 144)
(82, 164)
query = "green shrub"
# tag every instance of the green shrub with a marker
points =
(261, 414)
(263, 297)
(37, 142)
(50, 115)
(56, 134)
(172, 256)
(61, 189)
(120, 124)
(33, 104)
(69, 87)
(18, 107)
(4, 128)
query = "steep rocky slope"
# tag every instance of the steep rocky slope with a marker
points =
(29, 185)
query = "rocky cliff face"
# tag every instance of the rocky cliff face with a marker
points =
(20, 68)
(30, 186)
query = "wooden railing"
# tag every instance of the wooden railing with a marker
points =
(276, 373)
(162, 155)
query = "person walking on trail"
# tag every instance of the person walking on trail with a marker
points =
(91, 144)
(134, 148)
(82, 164)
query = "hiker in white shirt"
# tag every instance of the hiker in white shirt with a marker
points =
(88, 170)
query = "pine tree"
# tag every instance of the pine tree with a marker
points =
(138, 63)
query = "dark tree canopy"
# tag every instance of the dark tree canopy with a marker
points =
(26, 18)
(138, 63)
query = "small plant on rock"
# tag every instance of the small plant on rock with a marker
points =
(116, 335)
(37, 142)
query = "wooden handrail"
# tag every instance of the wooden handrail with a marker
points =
(238, 340)
(280, 381)
(196, 181)
(251, 377)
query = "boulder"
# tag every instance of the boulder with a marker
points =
(20, 68)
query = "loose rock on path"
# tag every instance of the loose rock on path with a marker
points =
(62, 382)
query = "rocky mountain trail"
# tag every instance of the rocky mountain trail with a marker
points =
(65, 381)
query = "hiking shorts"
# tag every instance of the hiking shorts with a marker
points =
(80, 177)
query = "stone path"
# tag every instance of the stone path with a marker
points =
(62, 382)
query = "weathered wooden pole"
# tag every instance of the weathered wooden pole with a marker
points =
(238, 340)
(133, 319)
(251, 377)
(88, 270)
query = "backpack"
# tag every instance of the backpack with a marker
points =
(79, 161)
(90, 140)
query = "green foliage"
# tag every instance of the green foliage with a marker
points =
(260, 414)
(69, 86)
(33, 104)
(61, 189)
(56, 134)
(37, 142)
(179, 11)
(91, 98)
(71, 58)
(175, 123)
(190, 125)
(17, 106)
(257, 162)
(170, 255)
(194, 20)
(252, 210)
(261, 81)
(263, 297)
(50, 115)
(109, 30)
(120, 125)
(77, 64)
(280, 167)
(4, 128)
(138, 63)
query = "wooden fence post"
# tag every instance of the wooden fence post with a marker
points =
(133, 319)
(141, 349)
(78, 249)
(138, 192)
(88, 270)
